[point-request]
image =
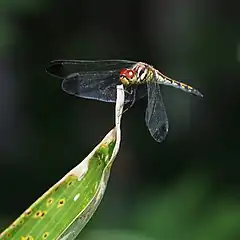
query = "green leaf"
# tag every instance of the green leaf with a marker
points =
(64, 210)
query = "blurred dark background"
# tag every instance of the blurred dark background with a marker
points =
(184, 188)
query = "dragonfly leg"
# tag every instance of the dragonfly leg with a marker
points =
(134, 97)
(128, 92)
(134, 92)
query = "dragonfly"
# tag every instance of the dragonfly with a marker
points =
(97, 79)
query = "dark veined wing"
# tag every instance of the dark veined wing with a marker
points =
(156, 116)
(92, 79)
(63, 68)
(101, 86)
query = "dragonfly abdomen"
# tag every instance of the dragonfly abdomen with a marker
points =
(184, 87)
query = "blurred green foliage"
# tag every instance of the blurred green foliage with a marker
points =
(22, 7)
(185, 209)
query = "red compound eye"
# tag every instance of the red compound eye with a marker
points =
(128, 73)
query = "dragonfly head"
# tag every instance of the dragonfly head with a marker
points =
(128, 76)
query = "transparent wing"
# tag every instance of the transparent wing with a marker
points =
(92, 79)
(156, 116)
(102, 87)
(63, 68)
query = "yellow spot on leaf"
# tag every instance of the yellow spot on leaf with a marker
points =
(70, 179)
(103, 145)
(45, 235)
(28, 212)
(13, 225)
(29, 238)
(56, 188)
(38, 214)
(61, 203)
(21, 221)
(69, 183)
(49, 201)
(43, 213)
